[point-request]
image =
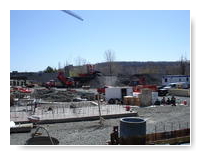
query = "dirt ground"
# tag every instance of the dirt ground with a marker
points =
(158, 118)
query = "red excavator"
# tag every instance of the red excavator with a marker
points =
(66, 81)
(76, 81)
(81, 79)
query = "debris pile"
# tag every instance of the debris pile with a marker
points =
(55, 95)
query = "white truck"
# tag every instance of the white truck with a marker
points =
(118, 93)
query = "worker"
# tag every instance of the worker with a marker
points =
(163, 102)
(34, 105)
(168, 101)
(157, 102)
(114, 136)
(128, 108)
(173, 101)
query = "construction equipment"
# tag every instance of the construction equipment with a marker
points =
(66, 81)
(75, 81)
(72, 14)
(50, 83)
(139, 80)
(102, 90)
(138, 88)
(85, 77)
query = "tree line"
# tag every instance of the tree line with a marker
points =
(111, 67)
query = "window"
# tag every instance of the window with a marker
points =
(165, 79)
(179, 80)
(187, 79)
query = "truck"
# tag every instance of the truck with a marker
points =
(113, 94)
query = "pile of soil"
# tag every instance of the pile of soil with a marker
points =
(55, 95)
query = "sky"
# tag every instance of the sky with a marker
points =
(41, 38)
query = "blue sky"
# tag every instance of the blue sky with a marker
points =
(44, 38)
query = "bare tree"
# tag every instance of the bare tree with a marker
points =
(66, 68)
(183, 65)
(59, 66)
(80, 65)
(80, 61)
(109, 56)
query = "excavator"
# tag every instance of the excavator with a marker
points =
(76, 81)
(86, 77)
(66, 81)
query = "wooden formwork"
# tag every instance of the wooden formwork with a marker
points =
(161, 137)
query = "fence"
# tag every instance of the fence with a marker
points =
(167, 126)
(170, 131)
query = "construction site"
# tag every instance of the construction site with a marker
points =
(107, 103)
(89, 110)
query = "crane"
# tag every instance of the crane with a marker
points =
(72, 14)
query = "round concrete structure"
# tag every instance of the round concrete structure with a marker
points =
(132, 131)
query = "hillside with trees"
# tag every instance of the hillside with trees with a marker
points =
(131, 68)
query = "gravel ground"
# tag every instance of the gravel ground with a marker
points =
(159, 118)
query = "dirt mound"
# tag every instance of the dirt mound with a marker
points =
(63, 95)
(55, 95)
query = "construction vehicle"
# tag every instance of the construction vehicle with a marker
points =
(138, 88)
(50, 83)
(66, 81)
(75, 81)
(138, 81)
(102, 90)
(86, 77)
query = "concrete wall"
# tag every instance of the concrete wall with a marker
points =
(36, 77)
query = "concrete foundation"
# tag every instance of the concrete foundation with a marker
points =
(59, 114)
